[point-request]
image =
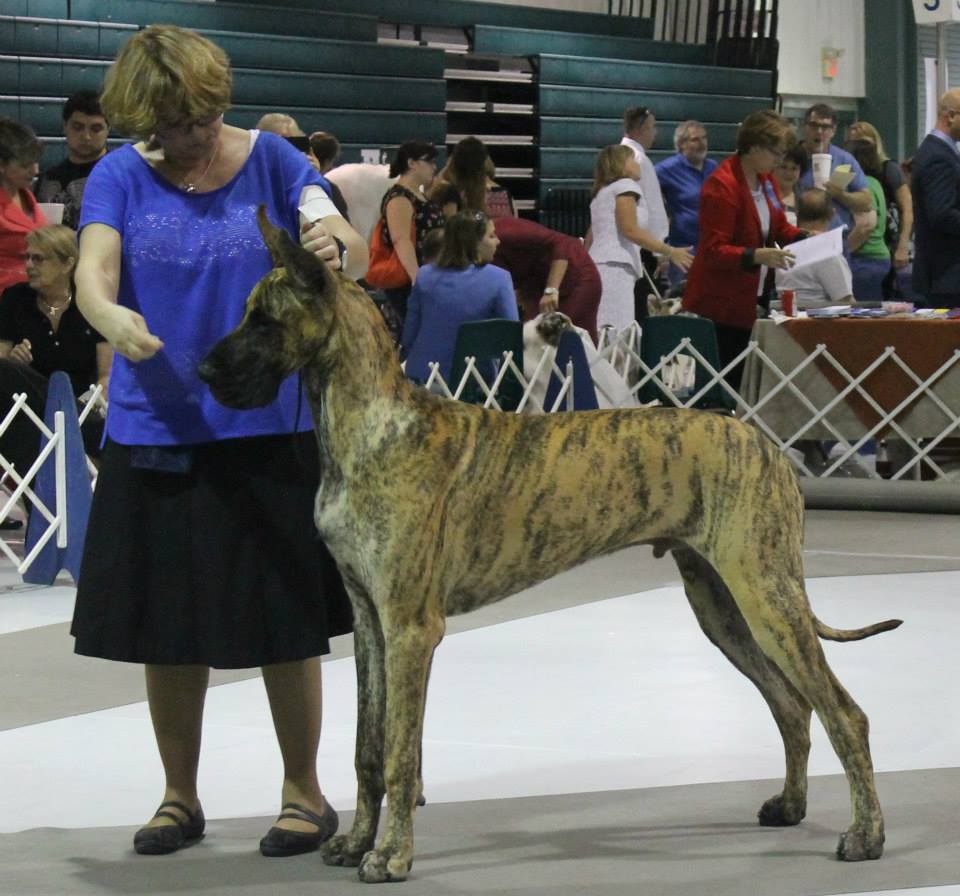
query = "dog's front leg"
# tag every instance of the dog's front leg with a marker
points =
(409, 653)
(349, 849)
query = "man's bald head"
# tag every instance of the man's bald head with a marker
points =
(948, 113)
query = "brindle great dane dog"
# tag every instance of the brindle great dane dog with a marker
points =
(433, 507)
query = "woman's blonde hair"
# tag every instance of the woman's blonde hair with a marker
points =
(163, 75)
(873, 135)
(55, 239)
(610, 164)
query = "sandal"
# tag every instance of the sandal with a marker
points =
(279, 842)
(167, 838)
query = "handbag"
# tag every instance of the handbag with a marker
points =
(386, 270)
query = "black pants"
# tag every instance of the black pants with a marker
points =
(730, 342)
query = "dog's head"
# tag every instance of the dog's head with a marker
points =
(287, 324)
(551, 326)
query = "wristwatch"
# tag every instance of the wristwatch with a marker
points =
(341, 246)
(551, 291)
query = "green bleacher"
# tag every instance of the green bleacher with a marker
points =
(320, 61)
(468, 13)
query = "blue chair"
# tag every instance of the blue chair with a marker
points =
(570, 349)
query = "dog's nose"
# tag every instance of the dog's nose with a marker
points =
(207, 370)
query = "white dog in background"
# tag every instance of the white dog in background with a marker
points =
(542, 334)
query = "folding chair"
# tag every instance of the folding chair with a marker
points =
(584, 393)
(661, 335)
(487, 340)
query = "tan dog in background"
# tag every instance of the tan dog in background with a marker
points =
(433, 507)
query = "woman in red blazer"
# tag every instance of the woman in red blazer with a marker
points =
(742, 226)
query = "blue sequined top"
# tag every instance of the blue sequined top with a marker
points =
(189, 260)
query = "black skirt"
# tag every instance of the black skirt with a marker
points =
(221, 566)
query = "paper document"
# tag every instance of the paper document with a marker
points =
(817, 248)
(841, 177)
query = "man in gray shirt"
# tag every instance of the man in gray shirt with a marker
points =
(826, 282)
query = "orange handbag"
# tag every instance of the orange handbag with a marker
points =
(385, 270)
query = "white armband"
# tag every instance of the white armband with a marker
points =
(316, 204)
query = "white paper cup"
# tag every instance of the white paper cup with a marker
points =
(52, 211)
(821, 162)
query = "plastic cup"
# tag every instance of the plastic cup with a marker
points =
(821, 162)
(788, 302)
(52, 211)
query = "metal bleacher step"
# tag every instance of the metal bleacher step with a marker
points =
(490, 108)
(495, 139)
(510, 76)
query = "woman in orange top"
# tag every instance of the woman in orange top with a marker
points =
(19, 213)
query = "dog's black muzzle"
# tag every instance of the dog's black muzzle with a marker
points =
(243, 374)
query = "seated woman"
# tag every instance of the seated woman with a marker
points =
(787, 177)
(462, 286)
(42, 331)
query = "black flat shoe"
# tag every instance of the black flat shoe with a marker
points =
(280, 842)
(160, 841)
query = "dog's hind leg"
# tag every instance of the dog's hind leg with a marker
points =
(408, 656)
(775, 607)
(349, 849)
(723, 623)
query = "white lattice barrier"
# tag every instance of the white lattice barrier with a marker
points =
(17, 484)
(820, 423)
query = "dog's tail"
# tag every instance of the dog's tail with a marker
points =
(855, 634)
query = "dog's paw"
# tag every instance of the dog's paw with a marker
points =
(858, 846)
(777, 812)
(340, 850)
(379, 867)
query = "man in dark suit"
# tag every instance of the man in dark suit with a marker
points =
(936, 202)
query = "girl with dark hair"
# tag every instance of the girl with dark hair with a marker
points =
(461, 286)
(470, 172)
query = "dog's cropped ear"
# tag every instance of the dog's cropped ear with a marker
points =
(300, 264)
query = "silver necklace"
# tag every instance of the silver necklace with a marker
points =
(193, 186)
(54, 310)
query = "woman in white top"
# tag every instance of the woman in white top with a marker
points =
(618, 230)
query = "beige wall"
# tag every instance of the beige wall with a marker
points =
(806, 26)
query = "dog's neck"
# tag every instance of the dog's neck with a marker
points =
(357, 381)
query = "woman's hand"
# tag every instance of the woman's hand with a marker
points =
(21, 352)
(901, 257)
(549, 302)
(681, 257)
(127, 332)
(774, 258)
(315, 238)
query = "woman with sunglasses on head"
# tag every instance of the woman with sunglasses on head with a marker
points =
(460, 286)
(20, 152)
(408, 216)
(742, 229)
(41, 331)
(201, 549)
